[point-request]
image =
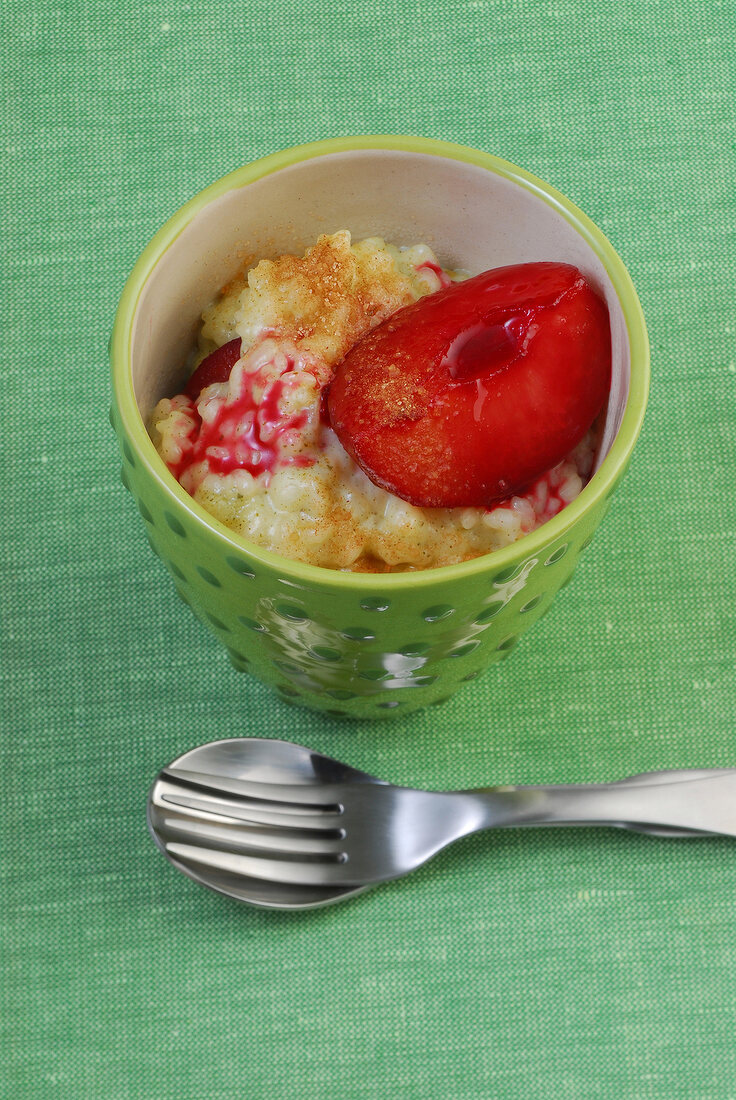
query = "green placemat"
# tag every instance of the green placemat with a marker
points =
(575, 963)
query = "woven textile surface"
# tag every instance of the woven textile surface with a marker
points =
(523, 965)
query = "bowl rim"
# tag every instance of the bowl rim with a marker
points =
(499, 560)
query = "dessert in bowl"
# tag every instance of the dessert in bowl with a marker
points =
(287, 373)
(394, 604)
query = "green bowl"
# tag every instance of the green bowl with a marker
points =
(357, 644)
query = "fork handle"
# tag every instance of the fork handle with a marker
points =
(675, 807)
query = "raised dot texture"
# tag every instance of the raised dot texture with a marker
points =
(290, 669)
(557, 554)
(251, 624)
(175, 525)
(210, 578)
(238, 657)
(464, 650)
(506, 574)
(530, 605)
(437, 613)
(489, 612)
(324, 653)
(357, 634)
(375, 603)
(291, 612)
(217, 623)
(240, 567)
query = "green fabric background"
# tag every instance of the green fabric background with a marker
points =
(543, 964)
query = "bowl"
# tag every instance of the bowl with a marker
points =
(360, 644)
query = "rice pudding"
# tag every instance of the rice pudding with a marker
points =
(250, 440)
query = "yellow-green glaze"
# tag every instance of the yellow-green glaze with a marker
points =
(363, 645)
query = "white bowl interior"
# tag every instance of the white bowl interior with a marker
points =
(472, 218)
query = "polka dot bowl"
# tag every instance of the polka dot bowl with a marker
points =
(357, 644)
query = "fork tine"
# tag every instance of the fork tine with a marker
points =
(297, 795)
(255, 813)
(255, 840)
(284, 871)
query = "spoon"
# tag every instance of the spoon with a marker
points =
(280, 826)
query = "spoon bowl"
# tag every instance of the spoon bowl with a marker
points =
(263, 761)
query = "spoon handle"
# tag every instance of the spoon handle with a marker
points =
(677, 805)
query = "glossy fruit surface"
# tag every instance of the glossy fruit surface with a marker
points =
(215, 368)
(470, 394)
